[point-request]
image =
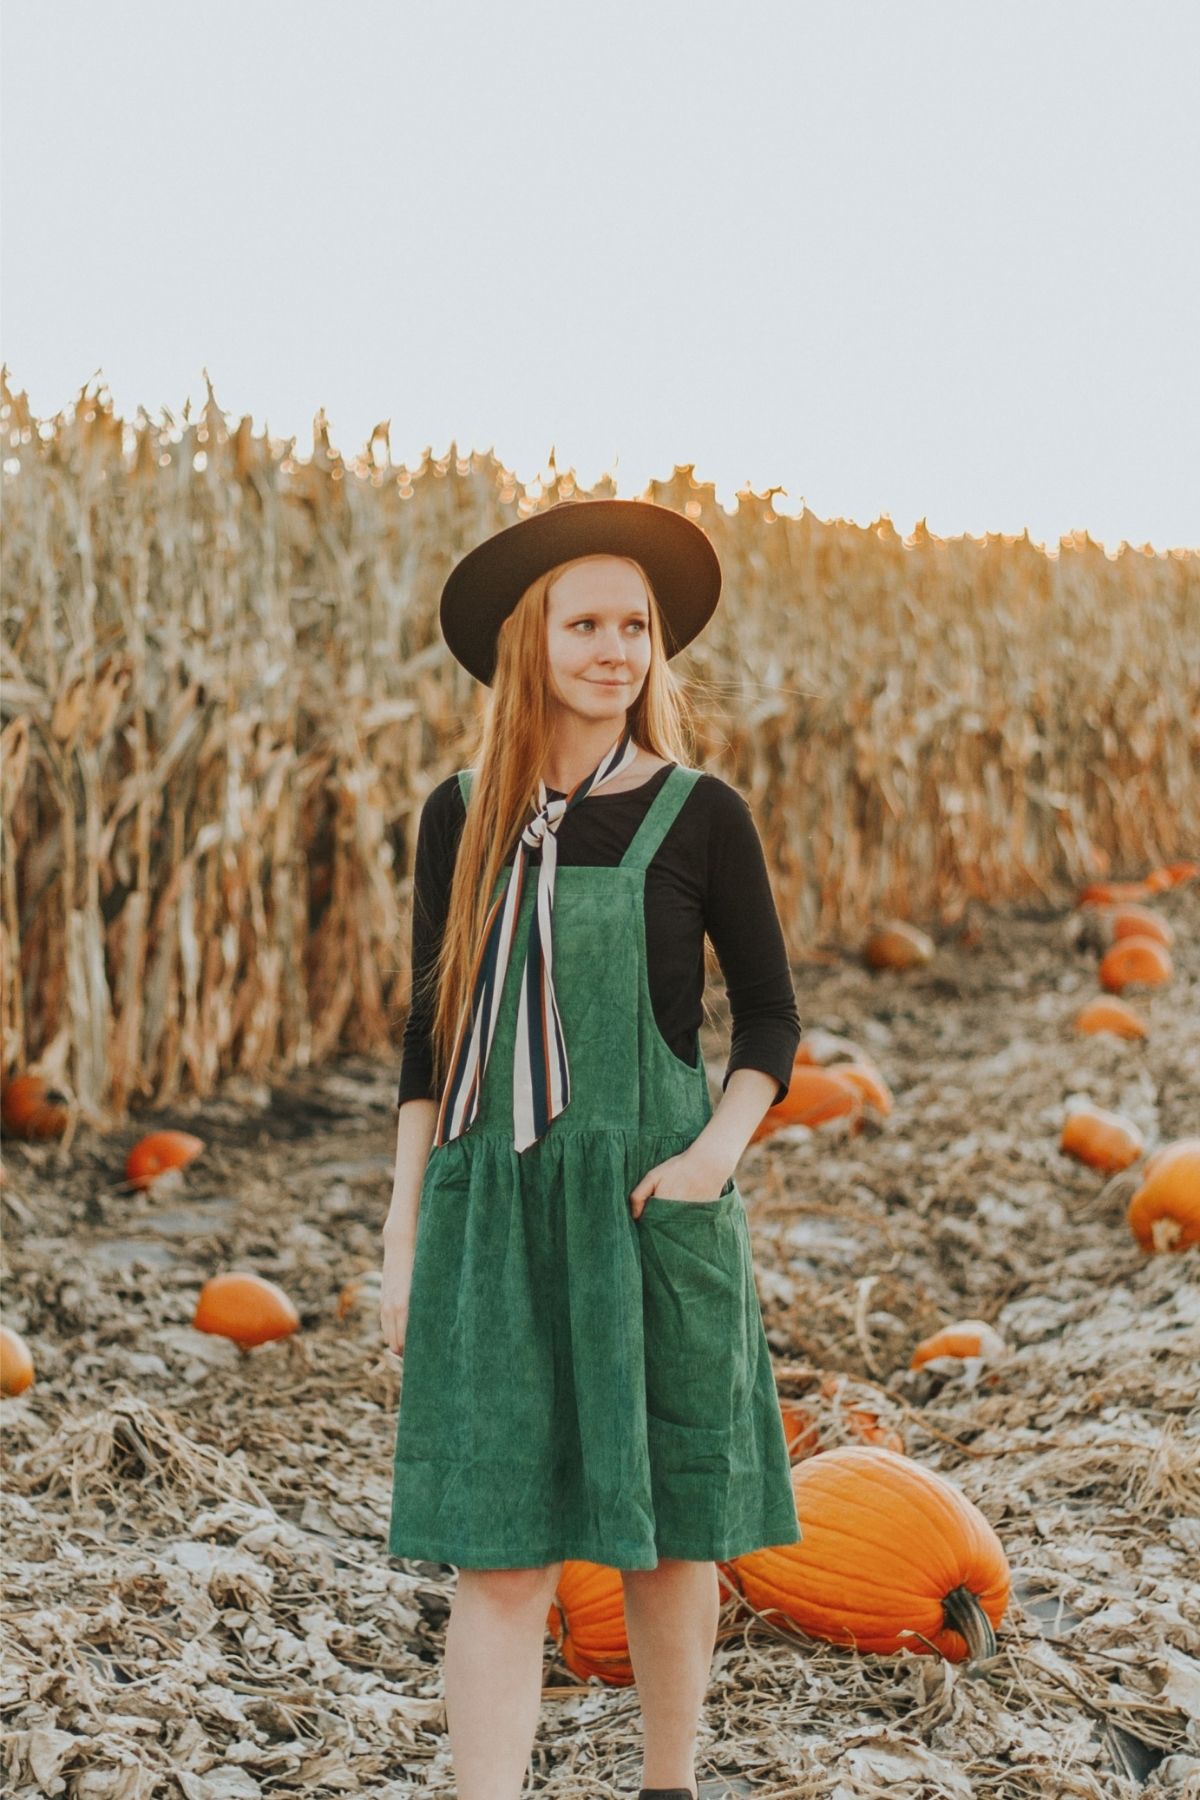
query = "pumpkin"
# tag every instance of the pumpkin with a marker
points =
(1134, 961)
(1112, 1015)
(31, 1108)
(351, 1295)
(16, 1363)
(814, 1097)
(161, 1150)
(1103, 1140)
(898, 945)
(799, 1429)
(1164, 1213)
(1172, 875)
(587, 1622)
(1113, 893)
(246, 1308)
(1139, 921)
(856, 1421)
(864, 1077)
(803, 1421)
(889, 1548)
(970, 1337)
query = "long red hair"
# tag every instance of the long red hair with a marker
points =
(508, 754)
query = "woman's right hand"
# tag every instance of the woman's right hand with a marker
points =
(394, 1286)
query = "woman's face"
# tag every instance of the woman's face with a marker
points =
(598, 637)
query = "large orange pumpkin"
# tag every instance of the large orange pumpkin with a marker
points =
(1114, 1016)
(1103, 1140)
(1134, 962)
(31, 1108)
(1164, 1213)
(587, 1622)
(246, 1308)
(889, 1547)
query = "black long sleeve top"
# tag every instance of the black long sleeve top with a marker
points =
(709, 875)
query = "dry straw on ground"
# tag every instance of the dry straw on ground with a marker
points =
(225, 698)
(198, 1596)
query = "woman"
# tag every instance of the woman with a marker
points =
(569, 1274)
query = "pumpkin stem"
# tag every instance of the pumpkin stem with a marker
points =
(962, 1612)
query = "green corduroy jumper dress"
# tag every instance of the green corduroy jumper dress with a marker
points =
(577, 1383)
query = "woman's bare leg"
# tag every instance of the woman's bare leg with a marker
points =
(671, 1618)
(493, 1676)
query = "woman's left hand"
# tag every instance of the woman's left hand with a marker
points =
(692, 1175)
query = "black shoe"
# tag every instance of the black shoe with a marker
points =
(675, 1793)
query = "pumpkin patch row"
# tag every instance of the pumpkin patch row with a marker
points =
(1163, 1212)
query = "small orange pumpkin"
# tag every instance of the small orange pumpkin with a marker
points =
(814, 1097)
(1112, 1015)
(1164, 1213)
(1134, 962)
(352, 1293)
(587, 1622)
(246, 1308)
(1172, 875)
(1113, 893)
(898, 945)
(31, 1108)
(969, 1337)
(799, 1429)
(16, 1362)
(1140, 921)
(807, 1425)
(861, 1422)
(889, 1548)
(162, 1150)
(1103, 1140)
(869, 1083)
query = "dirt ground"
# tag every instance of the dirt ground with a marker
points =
(199, 1600)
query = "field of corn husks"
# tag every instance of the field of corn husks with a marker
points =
(199, 1599)
(224, 699)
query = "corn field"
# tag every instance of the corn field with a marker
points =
(225, 697)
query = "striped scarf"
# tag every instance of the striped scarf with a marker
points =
(541, 1077)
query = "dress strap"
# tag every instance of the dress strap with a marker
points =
(661, 816)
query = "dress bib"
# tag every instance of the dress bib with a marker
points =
(577, 1383)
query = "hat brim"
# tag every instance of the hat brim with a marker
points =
(486, 584)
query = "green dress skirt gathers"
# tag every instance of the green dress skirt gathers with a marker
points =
(577, 1383)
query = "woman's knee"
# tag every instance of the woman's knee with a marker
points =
(513, 1590)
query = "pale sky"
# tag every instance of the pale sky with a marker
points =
(937, 260)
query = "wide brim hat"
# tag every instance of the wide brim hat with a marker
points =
(486, 584)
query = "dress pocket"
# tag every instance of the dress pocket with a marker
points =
(696, 1315)
(725, 1194)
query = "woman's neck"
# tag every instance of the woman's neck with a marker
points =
(569, 764)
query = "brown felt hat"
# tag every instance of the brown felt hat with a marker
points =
(485, 586)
